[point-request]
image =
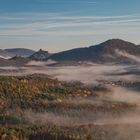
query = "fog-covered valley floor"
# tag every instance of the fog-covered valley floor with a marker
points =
(115, 111)
(84, 73)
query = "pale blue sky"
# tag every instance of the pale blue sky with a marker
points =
(57, 25)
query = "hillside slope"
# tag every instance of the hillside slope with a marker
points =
(114, 50)
(21, 52)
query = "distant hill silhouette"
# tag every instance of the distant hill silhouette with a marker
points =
(114, 50)
(110, 51)
(5, 54)
(40, 55)
(21, 52)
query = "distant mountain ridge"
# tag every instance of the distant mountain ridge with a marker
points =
(110, 51)
(5, 55)
(114, 50)
(15, 56)
(20, 52)
(40, 55)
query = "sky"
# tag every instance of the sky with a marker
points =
(57, 25)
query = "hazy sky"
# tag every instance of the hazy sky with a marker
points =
(57, 25)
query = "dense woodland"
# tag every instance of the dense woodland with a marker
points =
(40, 94)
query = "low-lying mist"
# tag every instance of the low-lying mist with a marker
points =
(124, 95)
(85, 74)
(118, 107)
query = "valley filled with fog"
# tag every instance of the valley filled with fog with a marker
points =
(87, 73)
(114, 110)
